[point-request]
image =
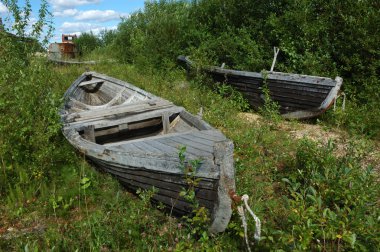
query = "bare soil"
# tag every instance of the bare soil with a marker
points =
(322, 135)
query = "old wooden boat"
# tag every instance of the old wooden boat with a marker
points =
(299, 96)
(136, 136)
(71, 62)
(64, 50)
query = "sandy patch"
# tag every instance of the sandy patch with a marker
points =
(322, 135)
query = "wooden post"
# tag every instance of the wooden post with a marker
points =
(276, 51)
(165, 122)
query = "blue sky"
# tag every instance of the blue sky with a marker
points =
(76, 16)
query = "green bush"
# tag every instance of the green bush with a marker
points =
(332, 201)
(87, 42)
(326, 38)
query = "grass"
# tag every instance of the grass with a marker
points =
(74, 207)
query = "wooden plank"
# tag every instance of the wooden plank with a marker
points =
(128, 148)
(306, 94)
(116, 110)
(289, 88)
(213, 135)
(204, 183)
(105, 132)
(258, 82)
(175, 206)
(181, 126)
(323, 81)
(191, 143)
(85, 83)
(294, 100)
(258, 101)
(149, 139)
(165, 122)
(198, 139)
(144, 124)
(147, 147)
(166, 188)
(132, 118)
(311, 93)
(192, 120)
(285, 103)
(293, 85)
(124, 84)
(300, 101)
(137, 148)
(89, 133)
(163, 147)
(205, 197)
(206, 194)
(189, 149)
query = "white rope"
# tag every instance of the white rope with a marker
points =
(241, 212)
(344, 101)
(200, 113)
(244, 221)
(257, 235)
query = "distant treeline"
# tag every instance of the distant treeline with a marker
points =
(317, 37)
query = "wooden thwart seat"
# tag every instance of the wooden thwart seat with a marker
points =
(90, 82)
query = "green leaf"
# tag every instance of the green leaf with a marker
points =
(85, 183)
(350, 238)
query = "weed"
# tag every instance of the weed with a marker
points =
(234, 97)
(270, 108)
(329, 208)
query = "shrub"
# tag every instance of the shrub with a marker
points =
(87, 42)
(332, 201)
(326, 38)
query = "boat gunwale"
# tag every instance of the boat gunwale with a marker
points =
(68, 94)
(273, 75)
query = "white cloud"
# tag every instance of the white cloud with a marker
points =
(3, 9)
(99, 15)
(67, 4)
(78, 28)
(96, 31)
(91, 15)
(70, 27)
(65, 13)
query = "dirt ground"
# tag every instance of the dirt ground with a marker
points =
(322, 134)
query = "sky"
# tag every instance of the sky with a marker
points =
(76, 16)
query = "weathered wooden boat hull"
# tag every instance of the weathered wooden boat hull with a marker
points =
(299, 96)
(138, 143)
(62, 51)
(71, 62)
